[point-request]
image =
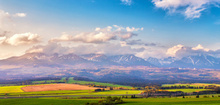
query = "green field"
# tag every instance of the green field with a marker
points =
(173, 101)
(48, 81)
(72, 81)
(11, 89)
(44, 102)
(192, 85)
(187, 90)
(148, 101)
(74, 92)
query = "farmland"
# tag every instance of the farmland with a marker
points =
(148, 101)
(191, 85)
(54, 87)
(187, 90)
(71, 80)
(11, 89)
(75, 92)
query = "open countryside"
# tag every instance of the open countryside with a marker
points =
(109, 52)
(75, 91)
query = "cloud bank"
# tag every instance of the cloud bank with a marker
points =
(107, 48)
(191, 9)
(180, 51)
(100, 35)
(20, 39)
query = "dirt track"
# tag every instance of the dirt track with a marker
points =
(53, 87)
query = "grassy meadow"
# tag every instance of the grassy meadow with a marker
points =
(191, 85)
(187, 90)
(148, 101)
(72, 81)
(16, 91)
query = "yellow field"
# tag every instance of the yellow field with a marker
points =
(11, 89)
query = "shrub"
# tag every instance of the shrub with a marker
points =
(108, 101)
(205, 96)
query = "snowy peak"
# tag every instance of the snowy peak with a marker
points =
(129, 60)
(95, 57)
(154, 61)
(197, 61)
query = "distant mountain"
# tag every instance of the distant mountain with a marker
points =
(101, 67)
(70, 59)
(129, 60)
(53, 60)
(154, 61)
(101, 60)
(95, 57)
(167, 61)
(197, 61)
(161, 62)
(30, 59)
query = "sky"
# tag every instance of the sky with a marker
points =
(145, 28)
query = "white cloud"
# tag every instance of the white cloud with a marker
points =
(2, 39)
(180, 51)
(119, 28)
(93, 37)
(100, 35)
(134, 29)
(200, 47)
(106, 48)
(20, 15)
(189, 8)
(126, 2)
(7, 22)
(173, 50)
(20, 39)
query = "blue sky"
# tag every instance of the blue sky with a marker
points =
(165, 24)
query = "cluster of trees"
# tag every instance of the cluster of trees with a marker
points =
(217, 89)
(93, 85)
(190, 87)
(108, 101)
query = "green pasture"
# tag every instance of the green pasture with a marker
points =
(191, 85)
(48, 81)
(74, 92)
(148, 101)
(44, 101)
(71, 80)
(187, 90)
(173, 101)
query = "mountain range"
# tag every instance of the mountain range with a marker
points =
(196, 61)
(102, 67)
(101, 60)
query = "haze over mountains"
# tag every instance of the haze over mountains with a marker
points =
(100, 60)
(105, 68)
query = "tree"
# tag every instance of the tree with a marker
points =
(197, 96)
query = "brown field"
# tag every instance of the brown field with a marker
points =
(54, 87)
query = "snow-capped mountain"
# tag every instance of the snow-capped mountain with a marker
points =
(41, 59)
(95, 57)
(165, 62)
(99, 59)
(30, 59)
(56, 60)
(197, 61)
(154, 61)
(129, 60)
